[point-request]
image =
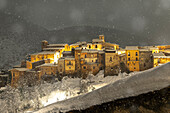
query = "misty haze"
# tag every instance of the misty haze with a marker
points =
(25, 24)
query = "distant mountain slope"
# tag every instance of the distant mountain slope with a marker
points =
(87, 33)
(18, 38)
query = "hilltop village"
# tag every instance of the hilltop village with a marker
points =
(83, 58)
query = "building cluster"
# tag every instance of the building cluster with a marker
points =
(83, 58)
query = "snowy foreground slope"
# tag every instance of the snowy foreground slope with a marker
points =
(139, 83)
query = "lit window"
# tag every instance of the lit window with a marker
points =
(128, 53)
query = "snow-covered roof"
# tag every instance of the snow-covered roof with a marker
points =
(97, 40)
(123, 54)
(48, 64)
(132, 48)
(89, 51)
(56, 45)
(56, 48)
(5, 75)
(144, 50)
(20, 69)
(44, 52)
(76, 44)
(158, 54)
(78, 48)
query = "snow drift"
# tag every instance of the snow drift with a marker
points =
(138, 83)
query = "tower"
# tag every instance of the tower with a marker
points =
(44, 44)
(101, 37)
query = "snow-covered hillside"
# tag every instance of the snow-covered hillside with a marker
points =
(75, 93)
(139, 83)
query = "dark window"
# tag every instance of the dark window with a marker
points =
(144, 65)
(89, 46)
(136, 53)
(95, 46)
(134, 67)
(129, 59)
(128, 53)
(136, 59)
(69, 62)
(60, 70)
(96, 61)
(84, 67)
(13, 76)
(92, 60)
(93, 67)
(110, 58)
(69, 67)
(85, 56)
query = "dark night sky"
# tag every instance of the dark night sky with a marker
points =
(149, 18)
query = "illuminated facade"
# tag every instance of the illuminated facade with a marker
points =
(132, 54)
(160, 58)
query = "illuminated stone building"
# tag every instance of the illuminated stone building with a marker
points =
(145, 59)
(16, 73)
(89, 62)
(111, 62)
(139, 59)
(132, 54)
(47, 69)
(160, 58)
(66, 66)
